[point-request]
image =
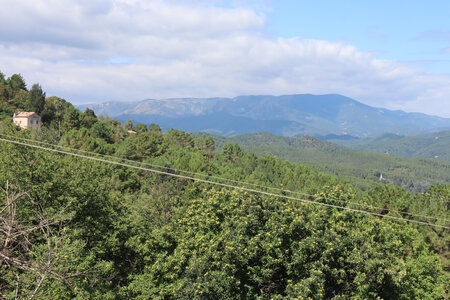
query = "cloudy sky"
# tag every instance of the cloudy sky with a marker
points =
(393, 54)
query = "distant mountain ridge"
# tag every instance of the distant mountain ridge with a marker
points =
(288, 115)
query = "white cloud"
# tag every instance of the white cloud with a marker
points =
(134, 49)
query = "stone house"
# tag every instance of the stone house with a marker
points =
(27, 120)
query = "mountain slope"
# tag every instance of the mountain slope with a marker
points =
(361, 168)
(309, 114)
(220, 123)
(434, 145)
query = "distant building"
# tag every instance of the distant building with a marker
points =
(27, 120)
(132, 132)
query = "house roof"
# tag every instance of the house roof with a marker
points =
(25, 114)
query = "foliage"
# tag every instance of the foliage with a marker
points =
(359, 168)
(112, 232)
(141, 146)
(36, 99)
(35, 251)
(230, 244)
(432, 145)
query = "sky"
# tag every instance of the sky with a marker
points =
(392, 54)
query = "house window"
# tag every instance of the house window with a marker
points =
(31, 121)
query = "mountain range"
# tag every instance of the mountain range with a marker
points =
(288, 115)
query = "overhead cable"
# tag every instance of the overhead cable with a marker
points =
(234, 181)
(224, 184)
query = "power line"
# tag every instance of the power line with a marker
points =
(234, 181)
(223, 184)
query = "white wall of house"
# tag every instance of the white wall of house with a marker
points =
(28, 122)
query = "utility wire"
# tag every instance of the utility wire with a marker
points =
(223, 184)
(231, 180)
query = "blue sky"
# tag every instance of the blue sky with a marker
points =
(392, 54)
(416, 32)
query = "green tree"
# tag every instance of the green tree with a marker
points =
(232, 152)
(230, 244)
(3, 89)
(103, 131)
(205, 144)
(54, 111)
(36, 99)
(20, 99)
(139, 128)
(35, 255)
(141, 146)
(89, 118)
(2, 78)
(179, 138)
(16, 83)
(128, 125)
(72, 119)
(155, 128)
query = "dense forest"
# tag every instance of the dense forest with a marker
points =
(431, 145)
(72, 227)
(359, 168)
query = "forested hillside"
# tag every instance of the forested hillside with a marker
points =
(75, 227)
(359, 168)
(433, 145)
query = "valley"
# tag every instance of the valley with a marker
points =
(360, 168)
(432, 145)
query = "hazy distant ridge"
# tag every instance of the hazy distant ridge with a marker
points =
(288, 115)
